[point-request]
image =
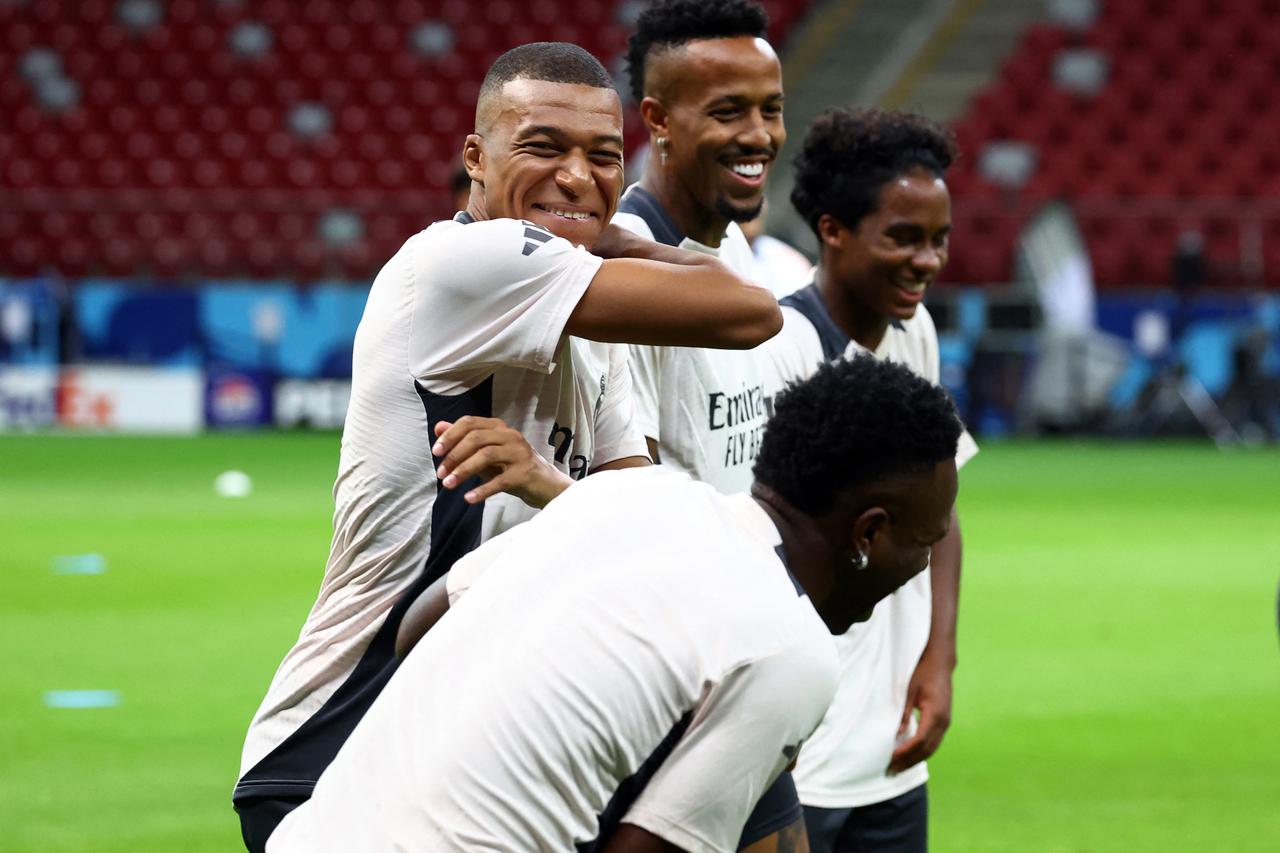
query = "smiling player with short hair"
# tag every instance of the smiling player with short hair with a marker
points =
(482, 336)
(709, 88)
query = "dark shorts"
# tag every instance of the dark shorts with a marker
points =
(778, 807)
(900, 825)
(259, 817)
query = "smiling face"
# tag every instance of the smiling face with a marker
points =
(718, 102)
(896, 251)
(912, 513)
(550, 153)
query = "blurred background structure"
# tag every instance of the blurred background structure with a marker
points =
(210, 186)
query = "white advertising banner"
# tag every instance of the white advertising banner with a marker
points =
(315, 403)
(131, 399)
(28, 398)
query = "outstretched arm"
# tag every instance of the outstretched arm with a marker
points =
(929, 691)
(648, 293)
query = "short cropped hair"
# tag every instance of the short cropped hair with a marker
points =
(670, 23)
(850, 153)
(553, 61)
(856, 421)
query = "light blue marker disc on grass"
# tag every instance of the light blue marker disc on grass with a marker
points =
(79, 564)
(82, 698)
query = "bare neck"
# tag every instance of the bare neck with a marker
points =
(694, 221)
(810, 556)
(853, 318)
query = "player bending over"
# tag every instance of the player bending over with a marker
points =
(492, 319)
(870, 184)
(595, 686)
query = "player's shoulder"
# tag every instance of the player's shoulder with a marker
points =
(634, 223)
(800, 661)
(494, 235)
(467, 252)
(921, 327)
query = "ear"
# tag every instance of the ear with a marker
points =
(655, 116)
(832, 232)
(473, 157)
(867, 527)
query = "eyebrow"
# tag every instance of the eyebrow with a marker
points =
(737, 99)
(558, 133)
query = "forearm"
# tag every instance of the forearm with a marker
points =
(944, 572)
(630, 838)
(618, 242)
(648, 293)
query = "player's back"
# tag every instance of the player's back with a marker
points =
(577, 644)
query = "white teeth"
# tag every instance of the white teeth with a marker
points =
(569, 214)
(915, 287)
(748, 170)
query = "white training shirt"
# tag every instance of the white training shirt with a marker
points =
(780, 266)
(705, 407)
(843, 765)
(573, 648)
(467, 318)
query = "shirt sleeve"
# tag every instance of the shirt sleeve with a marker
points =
(744, 733)
(791, 355)
(931, 359)
(617, 429)
(490, 294)
(646, 385)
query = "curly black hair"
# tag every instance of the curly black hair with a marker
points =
(855, 421)
(668, 23)
(555, 61)
(850, 153)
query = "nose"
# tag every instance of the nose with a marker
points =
(928, 260)
(757, 133)
(574, 175)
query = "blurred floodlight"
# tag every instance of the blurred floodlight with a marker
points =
(1007, 163)
(432, 38)
(57, 94)
(139, 15)
(39, 63)
(250, 39)
(1081, 70)
(310, 119)
(340, 228)
(1076, 14)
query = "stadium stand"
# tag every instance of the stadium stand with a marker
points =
(220, 139)
(1152, 120)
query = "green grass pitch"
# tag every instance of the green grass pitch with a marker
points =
(1119, 684)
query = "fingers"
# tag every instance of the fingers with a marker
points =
(459, 441)
(908, 707)
(922, 744)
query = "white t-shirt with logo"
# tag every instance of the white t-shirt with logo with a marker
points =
(467, 318)
(640, 615)
(843, 765)
(705, 407)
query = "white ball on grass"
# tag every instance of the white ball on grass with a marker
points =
(233, 484)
